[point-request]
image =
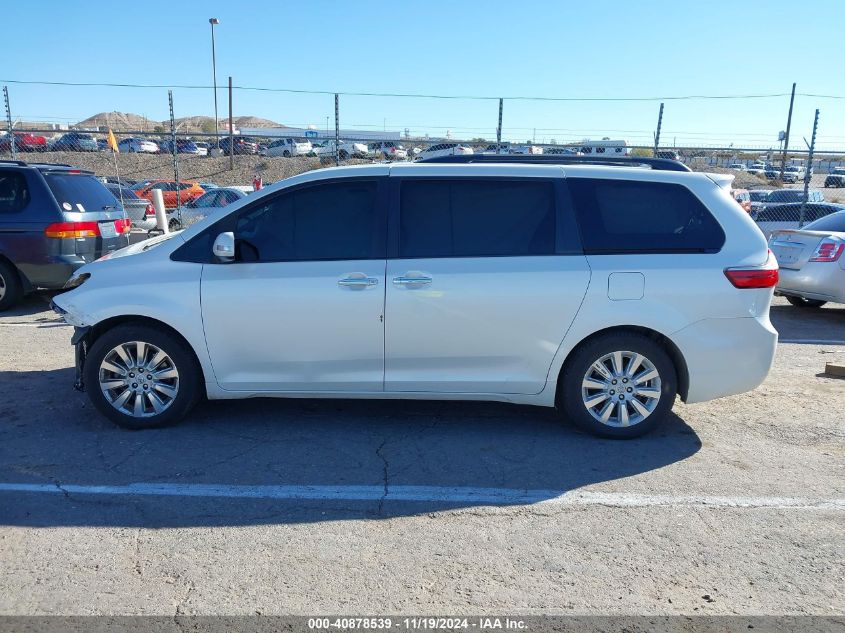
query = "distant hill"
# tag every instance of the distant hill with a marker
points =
(126, 121)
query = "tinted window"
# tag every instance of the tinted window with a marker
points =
(325, 222)
(476, 218)
(619, 216)
(832, 222)
(14, 194)
(81, 192)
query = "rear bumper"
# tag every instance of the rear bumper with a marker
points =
(726, 356)
(824, 281)
(53, 273)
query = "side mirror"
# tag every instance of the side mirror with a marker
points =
(224, 247)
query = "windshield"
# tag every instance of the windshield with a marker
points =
(832, 222)
(79, 192)
(759, 196)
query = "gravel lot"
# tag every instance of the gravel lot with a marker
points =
(733, 507)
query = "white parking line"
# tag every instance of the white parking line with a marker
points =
(430, 494)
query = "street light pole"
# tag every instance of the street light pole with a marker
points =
(212, 22)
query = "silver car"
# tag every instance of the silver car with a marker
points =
(812, 268)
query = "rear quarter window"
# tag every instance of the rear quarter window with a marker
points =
(80, 192)
(14, 193)
(624, 216)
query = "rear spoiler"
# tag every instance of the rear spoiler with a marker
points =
(722, 180)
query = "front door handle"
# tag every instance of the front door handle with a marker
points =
(412, 280)
(361, 282)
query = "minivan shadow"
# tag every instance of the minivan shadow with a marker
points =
(53, 439)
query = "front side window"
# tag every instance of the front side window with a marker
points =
(476, 218)
(624, 216)
(334, 221)
(14, 194)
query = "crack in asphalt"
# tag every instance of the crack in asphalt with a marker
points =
(386, 475)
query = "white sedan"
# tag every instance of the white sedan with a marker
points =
(137, 145)
(812, 266)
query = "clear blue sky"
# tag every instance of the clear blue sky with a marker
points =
(601, 48)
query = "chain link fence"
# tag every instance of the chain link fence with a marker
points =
(192, 156)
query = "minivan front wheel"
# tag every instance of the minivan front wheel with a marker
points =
(618, 385)
(140, 377)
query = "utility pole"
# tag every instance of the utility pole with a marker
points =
(499, 129)
(212, 22)
(9, 123)
(808, 171)
(231, 130)
(657, 133)
(786, 136)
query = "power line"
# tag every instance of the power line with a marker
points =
(415, 95)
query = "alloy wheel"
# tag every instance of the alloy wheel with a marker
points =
(621, 389)
(139, 379)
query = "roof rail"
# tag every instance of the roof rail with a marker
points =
(8, 161)
(661, 164)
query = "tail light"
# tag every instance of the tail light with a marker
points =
(72, 229)
(828, 251)
(765, 276)
(123, 226)
(151, 210)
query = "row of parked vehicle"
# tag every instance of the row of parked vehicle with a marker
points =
(784, 209)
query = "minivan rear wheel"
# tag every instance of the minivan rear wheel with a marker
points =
(618, 385)
(11, 289)
(140, 377)
(801, 302)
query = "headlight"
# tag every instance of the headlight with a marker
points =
(76, 281)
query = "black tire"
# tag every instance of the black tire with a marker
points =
(189, 381)
(343, 154)
(10, 286)
(174, 225)
(583, 358)
(801, 302)
(286, 154)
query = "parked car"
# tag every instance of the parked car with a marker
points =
(388, 150)
(138, 210)
(758, 198)
(738, 166)
(24, 142)
(445, 149)
(836, 178)
(346, 149)
(758, 169)
(202, 145)
(780, 217)
(137, 145)
(75, 142)
(512, 148)
(54, 219)
(240, 145)
(174, 193)
(778, 196)
(560, 151)
(288, 147)
(518, 285)
(208, 186)
(197, 209)
(812, 268)
(183, 146)
(743, 197)
(793, 173)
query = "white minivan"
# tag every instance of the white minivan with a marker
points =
(602, 290)
(288, 147)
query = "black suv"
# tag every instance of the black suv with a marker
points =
(53, 220)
